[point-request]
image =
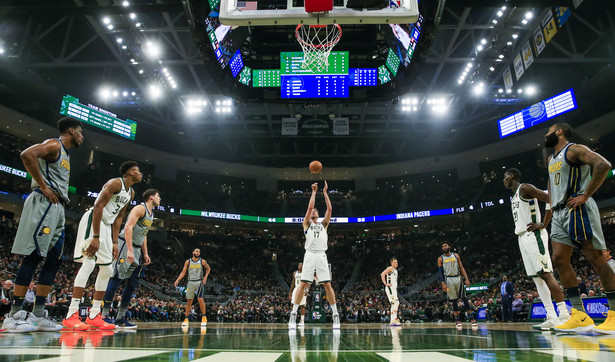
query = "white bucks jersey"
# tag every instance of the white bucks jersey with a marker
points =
(116, 203)
(565, 178)
(392, 279)
(524, 212)
(316, 237)
(297, 278)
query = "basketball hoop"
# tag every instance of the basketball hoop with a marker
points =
(317, 41)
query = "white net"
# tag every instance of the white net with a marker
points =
(317, 42)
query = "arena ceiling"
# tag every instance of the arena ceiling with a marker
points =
(50, 49)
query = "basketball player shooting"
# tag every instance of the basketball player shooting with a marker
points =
(315, 259)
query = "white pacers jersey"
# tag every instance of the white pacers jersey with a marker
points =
(392, 279)
(316, 237)
(524, 212)
(116, 203)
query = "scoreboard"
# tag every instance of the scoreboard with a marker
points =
(98, 117)
(537, 113)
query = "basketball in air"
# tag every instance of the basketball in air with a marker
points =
(315, 166)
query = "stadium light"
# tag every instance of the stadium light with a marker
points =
(119, 40)
(479, 48)
(152, 50)
(116, 93)
(155, 91)
(479, 89)
(530, 90)
(104, 93)
(110, 26)
(138, 25)
(500, 13)
(483, 41)
(529, 15)
(125, 4)
(524, 21)
(106, 20)
(1, 50)
(515, 36)
(133, 16)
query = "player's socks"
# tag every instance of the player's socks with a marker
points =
(121, 312)
(610, 296)
(95, 310)
(334, 308)
(74, 306)
(295, 308)
(562, 308)
(574, 296)
(17, 306)
(302, 318)
(39, 306)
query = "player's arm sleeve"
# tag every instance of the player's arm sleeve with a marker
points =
(441, 273)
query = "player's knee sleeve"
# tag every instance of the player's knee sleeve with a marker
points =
(87, 267)
(456, 305)
(104, 274)
(395, 305)
(26, 270)
(49, 270)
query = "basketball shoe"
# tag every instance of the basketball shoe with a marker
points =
(548, 324)
(98, 323)
(204, 321)
(292, 322)
(185, 323)
(608, 326)
(74, 322)
(579, 322)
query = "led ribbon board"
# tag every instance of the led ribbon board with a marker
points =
(537, 113)
(98, 117)
(335, 220)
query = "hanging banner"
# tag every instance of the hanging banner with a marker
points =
(289, 127)
(562, 13)
(528, 57)
(508, 82)
(539, 41)
(315, 127)
(341, 127)
(547, 18)
(518, 65)
(550, 30)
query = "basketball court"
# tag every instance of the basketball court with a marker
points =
(274, 342)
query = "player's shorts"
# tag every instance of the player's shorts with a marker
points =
(534, 247)
(455, 288)
(41, 227)
(572, 227)
(303, 299)
(195, 289)
(315, 262)
(391, 294)
(104, 255)
(121, 268)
